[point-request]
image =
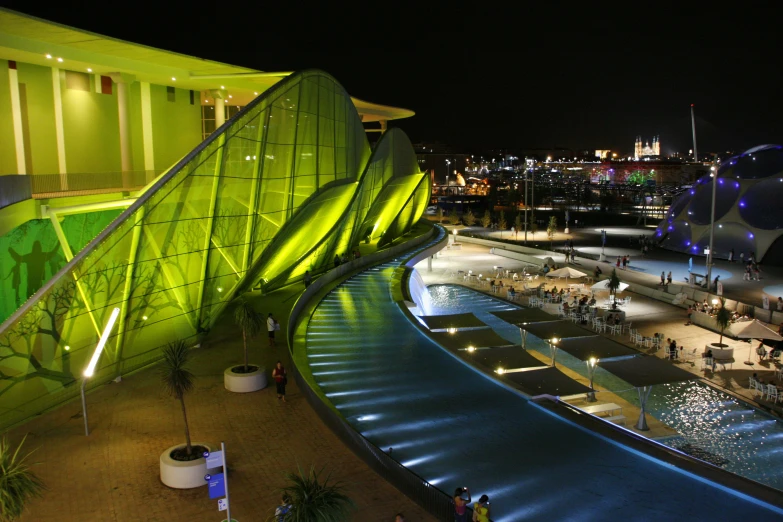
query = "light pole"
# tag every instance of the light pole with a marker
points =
(90, 370)
(526, 205)
(448, 164)
(714, 176)
(523, 335)
(553, 348)
(591, 365)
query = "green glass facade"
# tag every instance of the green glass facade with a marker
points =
(280, 189)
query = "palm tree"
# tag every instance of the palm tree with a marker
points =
(613, 285)
(722, 318)
(178, 380)
(249, 321)
(18, 484)
(314, 499)
(551, 229)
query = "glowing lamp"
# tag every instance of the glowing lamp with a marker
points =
(501, 371)
(471, 349)
(88, 372)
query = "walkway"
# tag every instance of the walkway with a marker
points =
(113, 474)
(455, 427)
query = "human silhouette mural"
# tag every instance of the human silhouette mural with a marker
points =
(35, 262)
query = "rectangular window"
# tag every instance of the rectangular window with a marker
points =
(105, 85)
(170, 94)
(192, 97)
(11, 64)
(77, 81)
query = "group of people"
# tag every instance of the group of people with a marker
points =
(624, 261)
(666, 279)
(339, 260)
(462, 499)
(569, 251)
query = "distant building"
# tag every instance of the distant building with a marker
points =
(647, 150)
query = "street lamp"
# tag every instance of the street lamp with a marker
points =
(591, 365)
(448, 163)
(714, 176)
(90, 370)
(523, 334)
(553, 348)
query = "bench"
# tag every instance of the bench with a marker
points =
(618, 419)
(575, 397)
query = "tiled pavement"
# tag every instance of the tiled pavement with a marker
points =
(112, 475)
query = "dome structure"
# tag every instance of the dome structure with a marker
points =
(749, 189)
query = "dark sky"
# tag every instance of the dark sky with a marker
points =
(580, 79)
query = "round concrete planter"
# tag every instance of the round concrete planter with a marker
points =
(183, 475)
(244, 382)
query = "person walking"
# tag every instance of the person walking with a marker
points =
(481, 509)
(663, 278)
(271, 326)
(461, 504)
(669, 278)
(746, 275)
(283, 508)
(715, 282)
(618, 262)
(742, 257)
(690, 312)
(281, 379)
(625, 262)
(731, 255)
(308, 278)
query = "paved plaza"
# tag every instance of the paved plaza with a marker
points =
(112, 475)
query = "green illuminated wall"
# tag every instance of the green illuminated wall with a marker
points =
(287, 184)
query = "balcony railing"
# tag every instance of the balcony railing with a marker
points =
(16, 188)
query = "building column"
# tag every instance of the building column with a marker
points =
(146, 130)
(220, 106)
(58, 127)
(16, 117)
(123, 82)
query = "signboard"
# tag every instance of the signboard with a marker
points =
(719, 289)
(214, 459)
(603, 237)
(765, 302)
(222, 504)
(217, 486)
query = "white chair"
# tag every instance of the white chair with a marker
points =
(626, 327)
(707, 362)
(614, 329)
(772, 393)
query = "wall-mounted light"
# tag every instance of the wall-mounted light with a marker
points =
(89, 70)
(60, 60)
(48, 56)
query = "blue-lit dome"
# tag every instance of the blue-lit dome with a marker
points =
(760, 204)
(701, 204)
(756, 163)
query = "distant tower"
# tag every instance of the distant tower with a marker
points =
(657, 146)
(637, 149)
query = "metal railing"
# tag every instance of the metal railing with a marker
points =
(14, 188)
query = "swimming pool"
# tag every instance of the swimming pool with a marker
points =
(712, 425)
(454, 426)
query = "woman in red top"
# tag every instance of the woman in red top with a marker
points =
(280, 380)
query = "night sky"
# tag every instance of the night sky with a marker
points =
(582, 80)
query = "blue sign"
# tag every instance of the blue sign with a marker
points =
(217, 486)
(603, 237)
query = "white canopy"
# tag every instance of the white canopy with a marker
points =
(753, 330)
(566, 272)
(604, 285)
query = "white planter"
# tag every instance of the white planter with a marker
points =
(183, 475)
(244, 382)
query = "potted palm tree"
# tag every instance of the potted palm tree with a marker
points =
(314, 498)
(721, 350)
(244, 378)
(182, 466)
(18, 485)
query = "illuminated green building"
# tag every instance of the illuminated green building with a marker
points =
(288, 182)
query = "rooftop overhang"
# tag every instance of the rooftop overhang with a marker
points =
(33, 40)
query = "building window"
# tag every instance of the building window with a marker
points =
(77, 81)
(170, 94)
(106, 85)
(192, 97)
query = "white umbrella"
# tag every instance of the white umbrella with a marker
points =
(753, 330)
(604, 285)
(566, 272)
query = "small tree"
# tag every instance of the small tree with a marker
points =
(453, 216)
(468, 218)
(486, 220)
(613, 285)
(316, 499)
(440, 215)
(551, 229)
(502, 223)
(18, 484)
(722, 318)
(178, 380)
(249, 321)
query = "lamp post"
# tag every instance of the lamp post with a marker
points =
(591, 365)
(526, 173)
(523, 335)
(90, 370)
(714, 176)
(553, 348)
(448, 164)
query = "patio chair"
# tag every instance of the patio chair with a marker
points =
(614, 329)
(707, 362)
(626, 327)
(772, 393)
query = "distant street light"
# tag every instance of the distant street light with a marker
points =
(591, 365)
(714, 176)
(448, 163)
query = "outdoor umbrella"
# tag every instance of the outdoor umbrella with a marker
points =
(604, 285)
(566, 272)
(549, 261)
(753, 330)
